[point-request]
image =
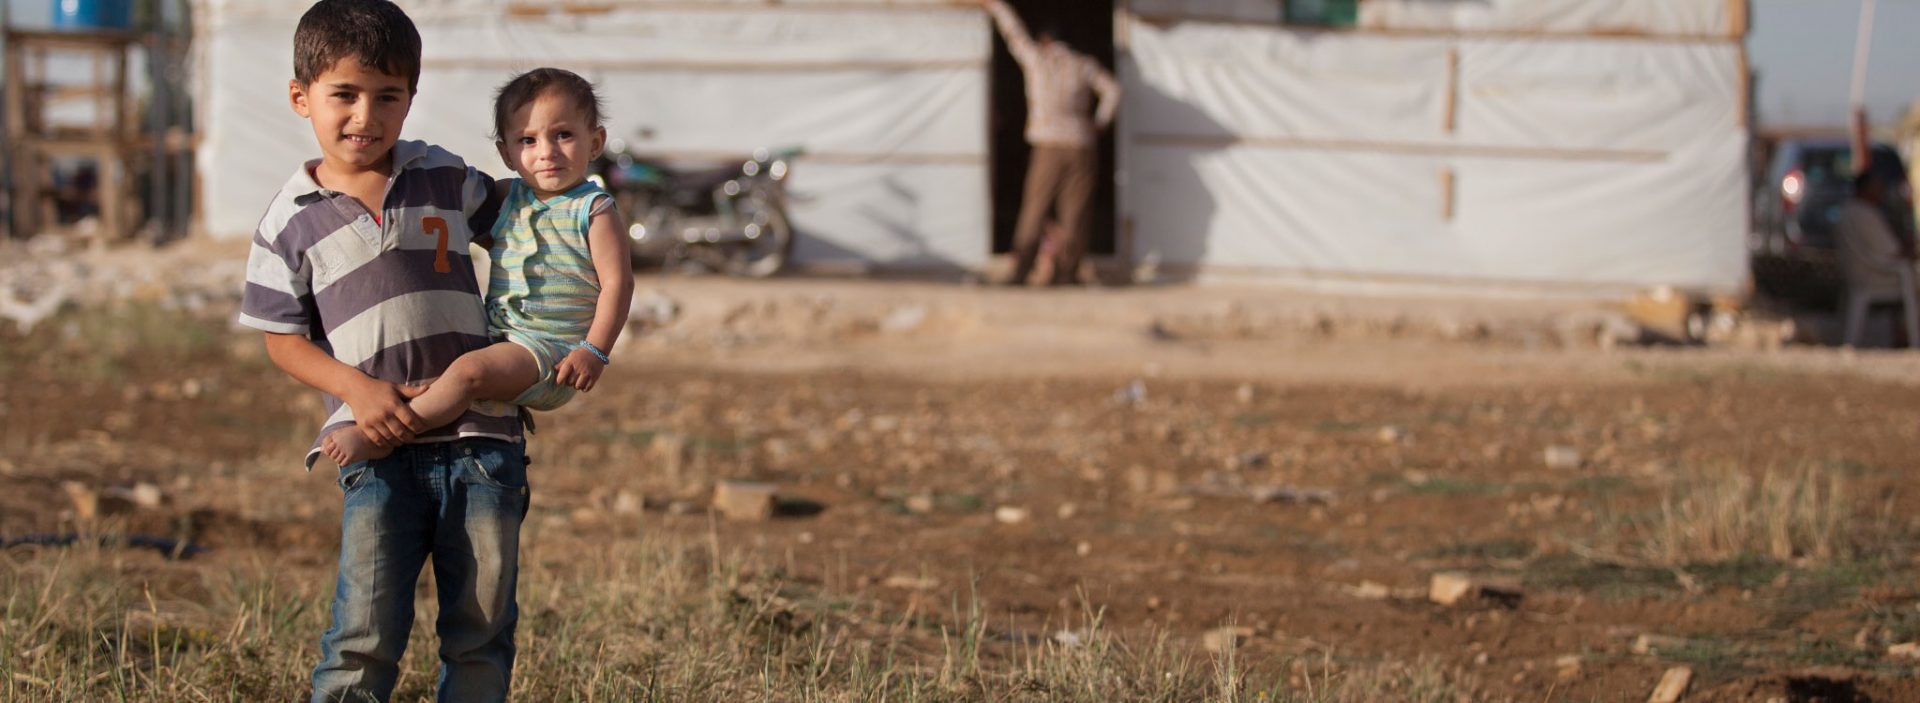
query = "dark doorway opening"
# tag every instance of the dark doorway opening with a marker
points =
(1087, 26)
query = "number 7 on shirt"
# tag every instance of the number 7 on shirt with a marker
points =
(434, 226)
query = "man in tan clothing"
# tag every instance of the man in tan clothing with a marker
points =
(1064, 126)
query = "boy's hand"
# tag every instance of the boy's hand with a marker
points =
(380, 410)
(580, 370)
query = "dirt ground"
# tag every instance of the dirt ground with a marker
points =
(1130, 453)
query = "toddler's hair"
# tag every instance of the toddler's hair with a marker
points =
(525, 87)
(377, 32)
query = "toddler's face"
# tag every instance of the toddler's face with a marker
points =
(549, 143)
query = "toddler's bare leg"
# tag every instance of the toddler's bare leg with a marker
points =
(500, 372)
(348, 445)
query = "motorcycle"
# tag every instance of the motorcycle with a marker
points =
(731, 220)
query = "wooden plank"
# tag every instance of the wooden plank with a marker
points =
(1406, 148)
(659, 65)
(1739, 18)
(1164, 19)
(1447, 199)
(540, 9)
(1453, 89)
(837, 158)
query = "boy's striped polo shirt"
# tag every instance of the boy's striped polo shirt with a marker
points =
(396, 297)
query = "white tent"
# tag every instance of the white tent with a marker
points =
(1540, 142)
(1559, 142)
(888, 98)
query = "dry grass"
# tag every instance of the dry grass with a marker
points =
(1806, 516)
(633, 621)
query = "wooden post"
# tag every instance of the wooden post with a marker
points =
(1453, 89)
(1739, 18)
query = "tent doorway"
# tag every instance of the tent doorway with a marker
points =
(1087, 26)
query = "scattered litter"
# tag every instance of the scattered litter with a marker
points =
(1372, 590)
(744, 501)
(26, 314)
(1453, 588)
(626, 503)
(651, 310)
(905, 318)
(1672, 686)
(1561, 457)
(911, 583)
(1011, 515)
(1219, 640)
(1263, 493)
(1134, 393)
(1648, 644)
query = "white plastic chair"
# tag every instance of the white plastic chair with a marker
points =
(1860, 302)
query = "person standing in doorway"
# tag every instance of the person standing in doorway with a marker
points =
(1063, 125)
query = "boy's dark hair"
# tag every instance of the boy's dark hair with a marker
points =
(377, 32)
(532, 84)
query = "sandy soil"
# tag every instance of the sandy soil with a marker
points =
(1055, 453)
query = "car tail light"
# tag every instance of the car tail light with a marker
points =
(1792, 189)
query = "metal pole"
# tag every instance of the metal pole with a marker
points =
(155, 42)
(1857, 122)
(1862, 50)
(6, 146)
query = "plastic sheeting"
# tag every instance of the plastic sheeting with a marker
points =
(1598, 162)
(1673, 18)
(889, 103)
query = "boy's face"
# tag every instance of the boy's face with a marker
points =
(356, 111)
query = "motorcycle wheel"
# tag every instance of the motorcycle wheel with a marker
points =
(765, 255)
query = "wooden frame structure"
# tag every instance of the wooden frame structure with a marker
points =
(115, 140)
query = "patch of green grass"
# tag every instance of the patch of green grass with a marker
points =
(1826, 586)
(1252, 420)
(1851, 468)
(1712, 657)
(726, 446)
(1334, 426)
(637, 438)
(1451, 486)
(1746, 572)
(1601, 486)
(1608, 581)
(1506, 549)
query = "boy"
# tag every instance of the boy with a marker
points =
(361, 280)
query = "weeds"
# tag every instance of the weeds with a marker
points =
(1806, 516)
(634, 621)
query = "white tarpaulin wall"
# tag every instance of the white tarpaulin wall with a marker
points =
(889, 102)
(1669, 18)
(1587, 161)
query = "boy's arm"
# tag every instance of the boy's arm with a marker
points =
(379, 408)
(481, 198)
(613, 265)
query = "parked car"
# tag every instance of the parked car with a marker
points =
(1795, 209)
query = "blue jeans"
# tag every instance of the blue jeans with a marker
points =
(460, 502)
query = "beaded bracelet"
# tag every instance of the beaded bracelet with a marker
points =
(604, 359)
